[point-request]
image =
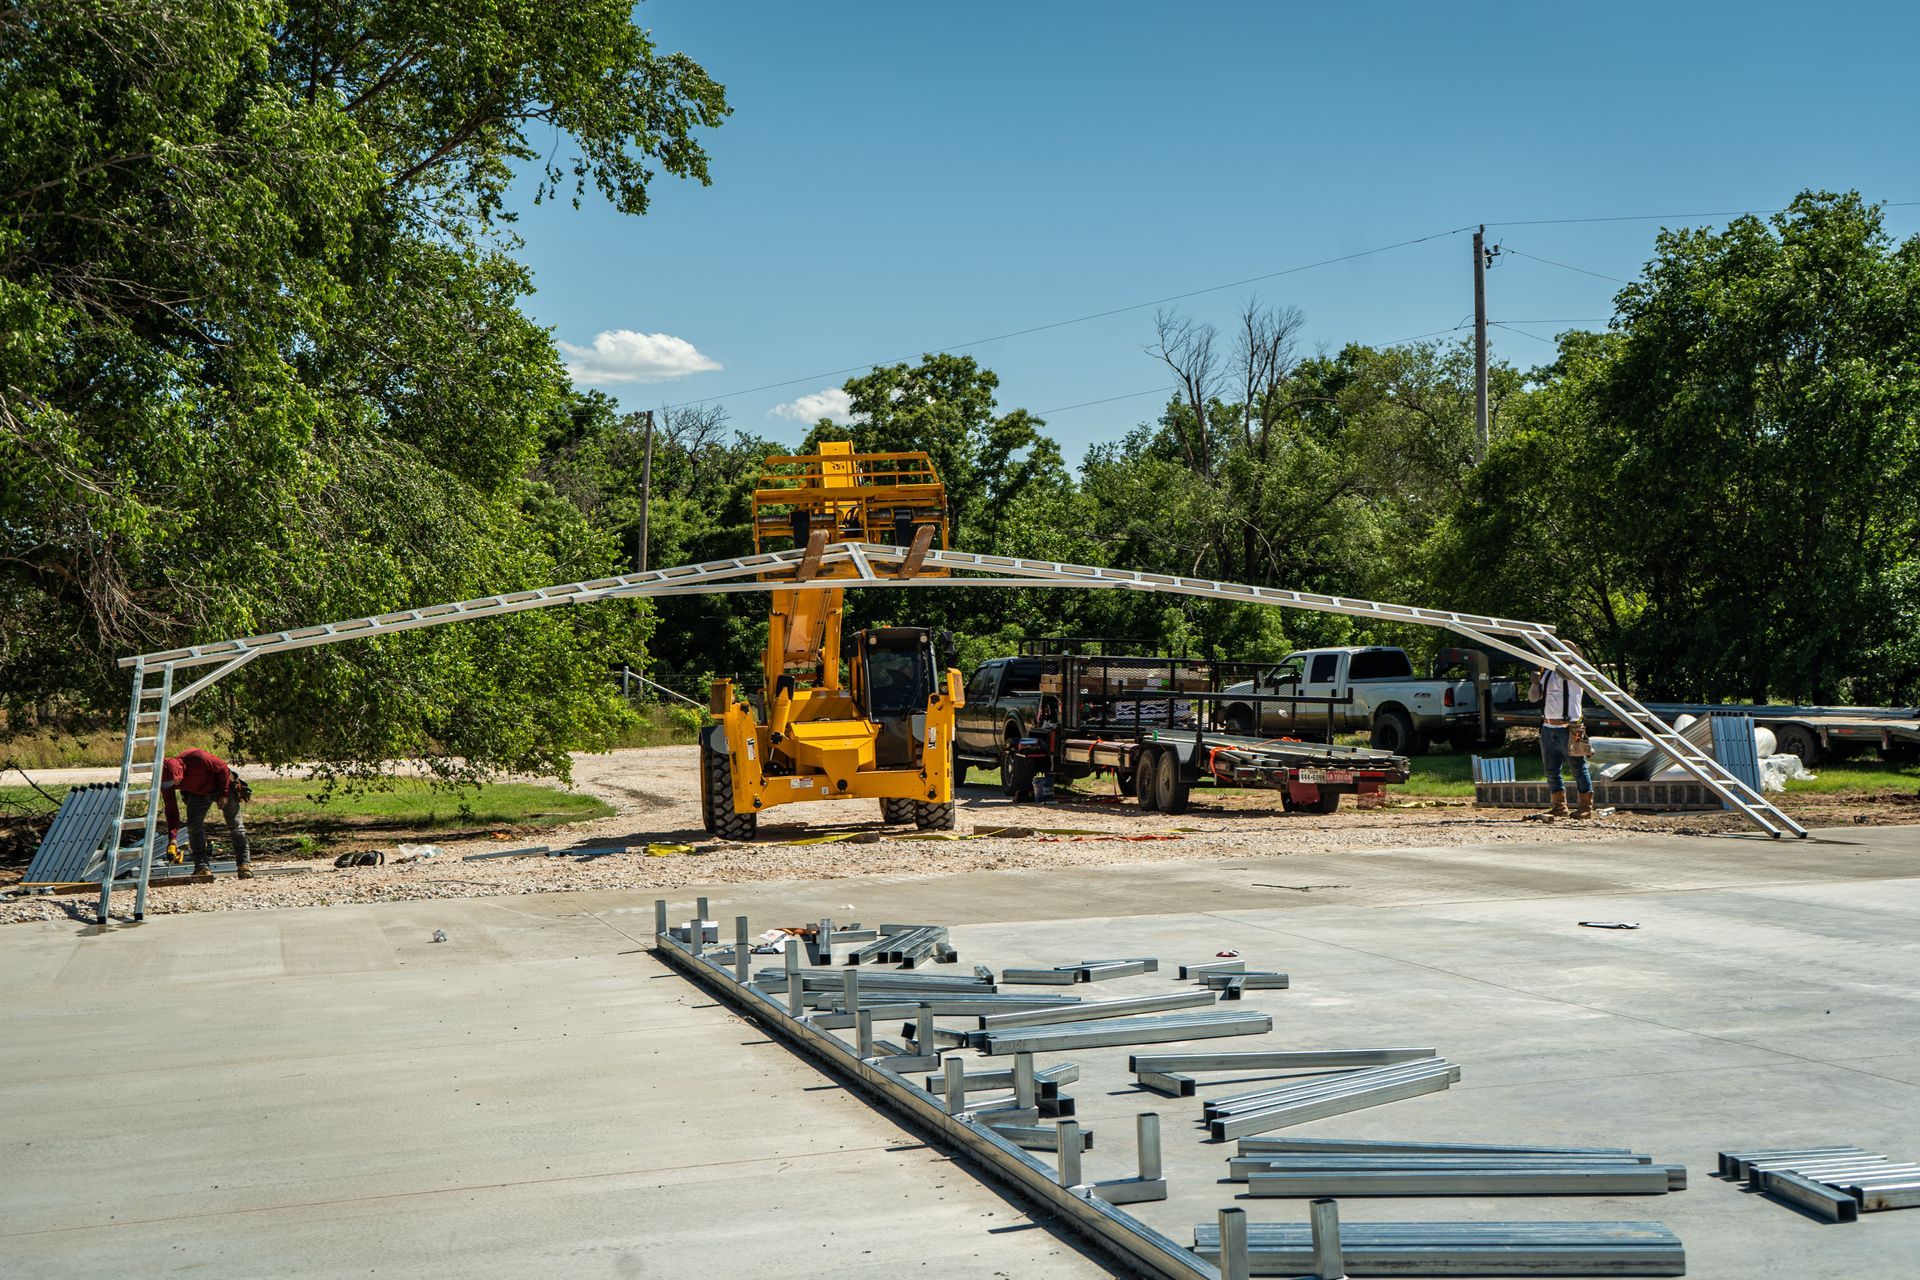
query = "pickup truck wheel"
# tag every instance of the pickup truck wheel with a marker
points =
(1019, 778)
(1798, 740)
(1007, 759)
(894, 811)
(1170, 785)
(1147, 781)
(1240, 722)
(1127, 781)
(1393, 731)
(716, 799)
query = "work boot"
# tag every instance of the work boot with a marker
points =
(202, 869)
(244, 871)
(1584, 805)
(1559, 809)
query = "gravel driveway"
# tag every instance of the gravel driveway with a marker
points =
(656, 794)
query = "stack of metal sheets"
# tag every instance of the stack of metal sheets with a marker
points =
(1463, 1248)
(1836, 1182)
(1278, 1167)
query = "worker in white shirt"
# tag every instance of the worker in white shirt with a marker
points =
(1563, 740)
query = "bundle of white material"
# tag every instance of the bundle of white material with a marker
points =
(1776, 771)
(1612, 754)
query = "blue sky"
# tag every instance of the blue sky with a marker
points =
(902, 178)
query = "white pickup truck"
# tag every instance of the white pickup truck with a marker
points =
(1382, 696)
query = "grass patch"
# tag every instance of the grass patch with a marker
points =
(414, 806)
(662, 725)
(289, 820)
(1441, 774)
(95, 747)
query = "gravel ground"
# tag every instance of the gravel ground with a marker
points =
(656, 794)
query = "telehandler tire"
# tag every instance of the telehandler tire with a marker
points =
(716, 799)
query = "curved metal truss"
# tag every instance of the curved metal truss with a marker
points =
(879, 566)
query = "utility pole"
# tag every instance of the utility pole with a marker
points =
(646, 489)
(1482, 259)
(1480, 345)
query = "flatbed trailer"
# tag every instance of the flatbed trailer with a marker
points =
(1812, 733)
(1152, 723)
(1160, 767)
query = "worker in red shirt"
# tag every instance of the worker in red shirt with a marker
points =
(205, 779)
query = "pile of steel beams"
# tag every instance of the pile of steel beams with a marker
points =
(1124, 1031)
(1172, 1073)
(906, 945)
(1231, 985)
(1279, 1167)
(1317, 1098)
(1462, 1248)
(1065, 975)
(1837, 1182)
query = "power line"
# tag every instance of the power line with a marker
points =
(1666, 217)
(1523, 333)
(1096, 315)
(1088, 404)
(1564, 266)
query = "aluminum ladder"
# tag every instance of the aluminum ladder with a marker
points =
(145, 750)
(1717, 778)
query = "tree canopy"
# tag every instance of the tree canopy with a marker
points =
(264, 359)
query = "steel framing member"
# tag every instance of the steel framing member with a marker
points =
(1533, 642)
(1108, 1228)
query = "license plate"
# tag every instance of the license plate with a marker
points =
(1311, 775)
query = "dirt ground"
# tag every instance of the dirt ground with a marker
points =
(656, 795)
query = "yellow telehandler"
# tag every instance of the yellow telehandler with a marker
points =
(867, 715)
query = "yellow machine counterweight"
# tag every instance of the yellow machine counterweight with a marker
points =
(837, 717)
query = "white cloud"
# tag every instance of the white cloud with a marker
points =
(624, 355)
(832, 403)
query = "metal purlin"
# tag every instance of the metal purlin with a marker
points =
(1533, 642)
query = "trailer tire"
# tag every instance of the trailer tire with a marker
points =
(1328, 802)
(1146, 780)
(896, 811)
(1798, 740)
(929, 816)
(1393, 731)
(1900, 752)
(716, 799)
(1127, 781)
(1169, 784)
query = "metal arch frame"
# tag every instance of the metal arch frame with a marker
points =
(1533, 642)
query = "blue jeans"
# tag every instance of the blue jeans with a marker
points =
(1553, 754)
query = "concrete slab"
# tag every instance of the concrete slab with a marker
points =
(327, 1092)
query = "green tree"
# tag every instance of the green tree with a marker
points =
(1760, 433)
(263, 360)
